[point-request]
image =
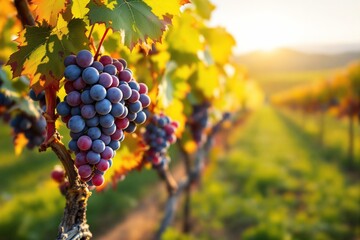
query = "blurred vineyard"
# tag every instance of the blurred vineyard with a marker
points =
(255, 169)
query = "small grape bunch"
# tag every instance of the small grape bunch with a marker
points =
(58, 175)
(103, 100)
(198, 121)
(159, 135)
(32, 127)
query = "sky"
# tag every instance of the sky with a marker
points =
(307, 24)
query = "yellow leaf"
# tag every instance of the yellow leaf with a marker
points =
(79, 9)
(162, 8)
(20, 142)
(49, 10)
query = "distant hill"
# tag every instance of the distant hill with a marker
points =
(289, 60)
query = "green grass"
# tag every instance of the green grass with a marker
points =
(274, 183)
(31, 205)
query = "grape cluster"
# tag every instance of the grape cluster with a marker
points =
(58, 175)
(5, 101)
(159, 135)
(33, 128)
(198, 121)
(103, 100)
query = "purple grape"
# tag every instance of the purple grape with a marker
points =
(145, 100)
(131, 128)
(125, 75)
(135, 96)
(123, 62)
(105, 60)
(103, 107)
(98, 146)
(114, 95)
(107, 120)
(84, 143)
(126, 90)
(134, 85)
(79, 84)
(70, 60)
(76, 124)
(140, 118)
(93, 122)
(72, 72)
(86, 98)
(93, 157)
(118, 65)
(107, 153)
(109, 131)
(94, 133)
(103, 165)
(105, 138)
(73, 99)
(88, 111)
(90, 75)
(131, 116)
(97, 92)
(73, 146)
(75, 111)
(135, 107)
(84, 58)
(98, 66)
(85, 171)
(117, 109)
(115, 145)
(105, 80)
(63, 109)
(111, 69)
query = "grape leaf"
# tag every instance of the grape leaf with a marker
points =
(42, 50)
(79, 9)
(204, 8)
(162, 8)
(133, 18)
(220, 43)
(49, 10)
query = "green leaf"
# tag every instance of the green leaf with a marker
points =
(42, 50)
(133, 18)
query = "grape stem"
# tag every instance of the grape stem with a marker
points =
(100, 43)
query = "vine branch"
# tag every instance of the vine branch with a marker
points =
(24, 13)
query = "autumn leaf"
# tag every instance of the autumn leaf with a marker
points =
(49, 10)
(133, 18)
(20, 142)
(220, 43)
(42, 49)
(163, 8)
(79, 9)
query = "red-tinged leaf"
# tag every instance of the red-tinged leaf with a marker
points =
(20, 142)
(133, 18)
(42, 50)
(49, 10)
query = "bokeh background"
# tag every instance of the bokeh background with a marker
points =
(288, 169)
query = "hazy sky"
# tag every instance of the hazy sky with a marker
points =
(266, 24)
